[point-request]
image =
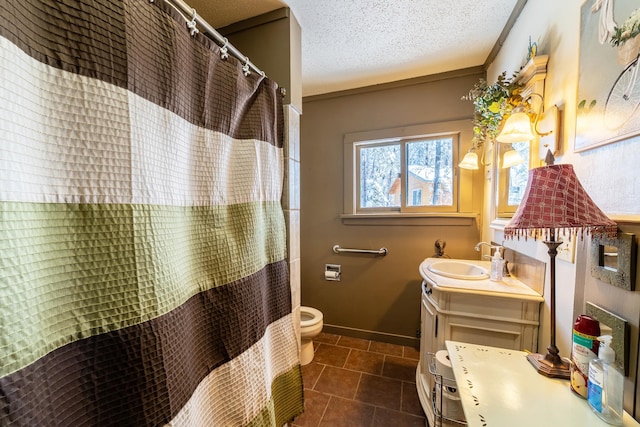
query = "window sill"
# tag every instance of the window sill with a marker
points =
(499, 223)
(430, 219)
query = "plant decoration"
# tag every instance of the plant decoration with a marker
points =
(628, 30)
(491, 104)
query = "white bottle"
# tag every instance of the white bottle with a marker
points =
(497, 266)
(605, 385)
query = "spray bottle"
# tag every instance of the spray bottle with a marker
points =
(605, 386)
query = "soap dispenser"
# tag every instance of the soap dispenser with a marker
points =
(605, 385)
(497, 265)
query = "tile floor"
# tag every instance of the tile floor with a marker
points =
(354, 382)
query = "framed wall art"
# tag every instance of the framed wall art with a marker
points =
(608, 93)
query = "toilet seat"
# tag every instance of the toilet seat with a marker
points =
(316, 316)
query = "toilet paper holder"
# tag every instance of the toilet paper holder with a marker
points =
(332, 272)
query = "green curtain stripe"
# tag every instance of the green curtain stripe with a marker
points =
(73, 271)
(284, 404)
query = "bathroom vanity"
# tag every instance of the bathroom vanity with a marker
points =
(460, 303)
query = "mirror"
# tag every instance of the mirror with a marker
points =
(608, 257)
(613, 260)
(611, 324)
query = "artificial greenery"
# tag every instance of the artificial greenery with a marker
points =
(628, 30)
(491, 104)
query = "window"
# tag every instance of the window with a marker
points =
(397, 174)
(379, 172)
(406, 175)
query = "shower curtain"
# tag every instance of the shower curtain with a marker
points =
(143, 273)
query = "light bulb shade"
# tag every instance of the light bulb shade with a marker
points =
(517, 128)
(470, 161)
(511, 158)
(555, 199)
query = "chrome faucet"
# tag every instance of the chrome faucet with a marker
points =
(479, 244)
(478, 248)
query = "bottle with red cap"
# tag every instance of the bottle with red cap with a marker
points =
(586, 331)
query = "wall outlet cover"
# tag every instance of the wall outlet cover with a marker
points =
(567, 250)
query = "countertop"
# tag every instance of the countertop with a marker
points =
(508, 287)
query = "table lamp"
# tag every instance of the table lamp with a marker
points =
(554, 201)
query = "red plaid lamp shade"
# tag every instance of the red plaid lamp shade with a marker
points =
(555, 199)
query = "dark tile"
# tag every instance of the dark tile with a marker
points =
(350, 342)
(338, 381)
(365, 361)
(331, 355)
(346, 385)
(410, 401)
(386, 417)
(380, 391)
(386, 348)
(400, 368)
(310, 374)
(347, 413)
(326, 338)
(411, 353)
(314, 407)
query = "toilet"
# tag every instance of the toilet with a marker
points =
(310, 327)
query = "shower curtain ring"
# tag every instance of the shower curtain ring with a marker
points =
(245, 67)
(224, 50)
(192, 24)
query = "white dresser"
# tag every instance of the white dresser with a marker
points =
(498, 387)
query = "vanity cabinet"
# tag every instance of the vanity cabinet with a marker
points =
(498, 314)
(494, 321)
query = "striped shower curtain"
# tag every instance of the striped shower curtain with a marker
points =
(143, 278)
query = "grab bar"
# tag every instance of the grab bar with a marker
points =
(382, 251)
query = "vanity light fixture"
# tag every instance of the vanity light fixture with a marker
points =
(518, 126)
(511, 157)
(469, 161)
(555, 200)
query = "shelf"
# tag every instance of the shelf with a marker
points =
(441, 382)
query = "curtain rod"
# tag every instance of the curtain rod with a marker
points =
(190, 12)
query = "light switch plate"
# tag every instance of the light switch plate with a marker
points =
(567, 250)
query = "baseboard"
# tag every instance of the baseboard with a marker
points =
(372, 335)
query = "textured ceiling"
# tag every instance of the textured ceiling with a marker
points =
(350, 44)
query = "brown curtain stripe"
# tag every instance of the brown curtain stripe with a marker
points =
(144, 374)
(86, 38)
(117, 42)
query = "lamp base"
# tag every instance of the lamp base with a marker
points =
(548, 368)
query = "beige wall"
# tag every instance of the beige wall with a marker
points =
(609, 174)
(377, 296)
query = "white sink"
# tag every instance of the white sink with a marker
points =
(459, 270)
